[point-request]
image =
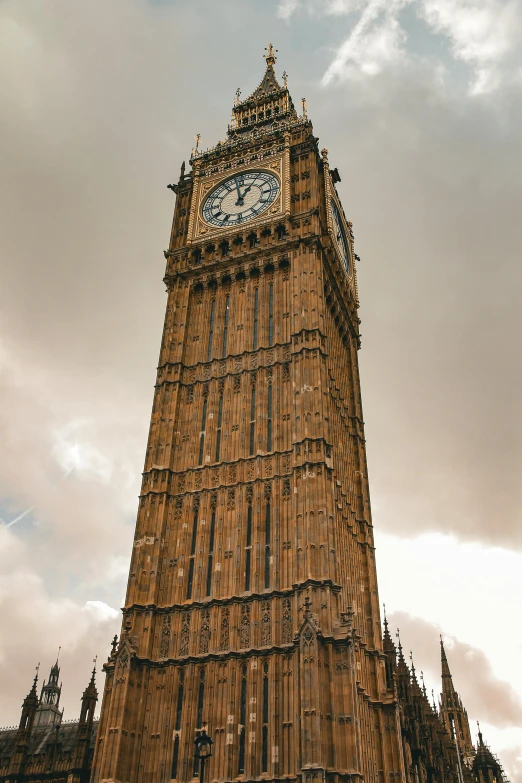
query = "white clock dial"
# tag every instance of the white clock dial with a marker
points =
(340, 236)
(240, 198)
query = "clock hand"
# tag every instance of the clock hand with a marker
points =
(239, 201)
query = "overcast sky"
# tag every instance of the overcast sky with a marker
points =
(419, 104)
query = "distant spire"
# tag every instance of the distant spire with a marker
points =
(447, 682)
(481, 741)
(413, 672)
(90, 690)
(388, 644)
(35, 681)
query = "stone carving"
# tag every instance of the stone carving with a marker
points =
(266, 625)
(184, 636)
(231, 499)
(204, 631)
(244, 631)
(287, 624)
(165, 637)
(286, 489)
(179, 508)
(224, 637)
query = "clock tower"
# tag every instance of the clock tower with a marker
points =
(252, 606)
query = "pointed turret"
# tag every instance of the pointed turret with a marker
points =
(25, 728)
(390, 651)
(49, 713)
(447, 682)
(80, 771)
(269, 105)
(403, 673)
(452, 712)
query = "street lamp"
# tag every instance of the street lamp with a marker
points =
(203, 752)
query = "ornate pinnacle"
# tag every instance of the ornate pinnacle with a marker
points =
(270, 57)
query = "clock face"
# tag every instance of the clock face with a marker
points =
(340, 236)
(240, 198)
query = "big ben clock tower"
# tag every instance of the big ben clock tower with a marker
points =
(252, 605)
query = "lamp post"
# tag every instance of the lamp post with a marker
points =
(203, 751)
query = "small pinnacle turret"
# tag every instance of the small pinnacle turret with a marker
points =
(49, 712)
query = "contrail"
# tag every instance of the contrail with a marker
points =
(31, 508)
(19, 517)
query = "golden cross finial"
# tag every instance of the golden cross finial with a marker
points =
(197, 137)
(285, 79)
(270, 57)
(305, 107)
(236, 99)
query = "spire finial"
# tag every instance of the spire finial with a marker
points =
(433, 700)
(399, 645)
(385, 618)
(37, 672)
(481, 741)
(305, 108)
(236, 99)
(285, 79)
(58, 656)
(270, 56)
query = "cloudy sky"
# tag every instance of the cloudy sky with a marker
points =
(419, 103)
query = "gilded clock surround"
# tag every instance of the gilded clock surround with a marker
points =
(207, 179)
